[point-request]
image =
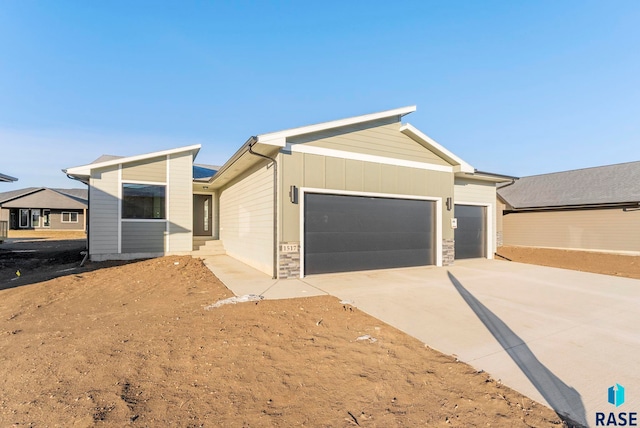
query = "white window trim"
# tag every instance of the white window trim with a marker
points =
(69, 212)
(150, 183)
(20, 225)
(39, 211)
(43, 225)
(153, 183)
(438, 201)
(490, 211)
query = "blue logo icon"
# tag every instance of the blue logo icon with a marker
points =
(616, 395)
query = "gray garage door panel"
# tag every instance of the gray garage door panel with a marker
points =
(350, 233)
(471, 234)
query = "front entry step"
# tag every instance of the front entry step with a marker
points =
(207, 247)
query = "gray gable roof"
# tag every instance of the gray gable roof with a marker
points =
(42, 197)
(610, 184)
(12, 194)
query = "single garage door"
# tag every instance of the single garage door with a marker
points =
(471, 234)
(351, 233)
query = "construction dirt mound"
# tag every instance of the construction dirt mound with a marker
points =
(133, 345)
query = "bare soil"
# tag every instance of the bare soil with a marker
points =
(586, 261)
(30, 256)
(133, 345)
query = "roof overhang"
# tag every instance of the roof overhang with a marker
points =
(279, 138)
(459, 165)
(271, 143)
(488, 176)
(7, 178)
(626, 206)
(84, 172)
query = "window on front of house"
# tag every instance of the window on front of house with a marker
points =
(69, 217)
(143, 201)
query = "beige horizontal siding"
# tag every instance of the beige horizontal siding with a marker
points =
(104, 217)
(598, 230)
(56, 223)
(153, 170)
(180, 202)
(379, 138)
(479, 192)
(315, 171)
(246, 218)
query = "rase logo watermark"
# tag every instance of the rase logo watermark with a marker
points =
(615, 396)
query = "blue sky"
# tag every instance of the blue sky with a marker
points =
(514, 87)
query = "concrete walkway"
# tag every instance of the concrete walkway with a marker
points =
(242, 279)
(558, 336)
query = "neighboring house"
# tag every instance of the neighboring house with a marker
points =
(595, 209)
(360, 193)
(4, 224)
(7, 178)
(44, 208)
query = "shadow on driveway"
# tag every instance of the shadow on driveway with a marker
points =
(563, 399)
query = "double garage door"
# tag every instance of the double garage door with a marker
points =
(352, 233)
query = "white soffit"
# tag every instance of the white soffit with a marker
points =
(437, 148)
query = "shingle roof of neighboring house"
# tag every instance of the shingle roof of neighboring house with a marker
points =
(610, 184)
(43, 197)
(13, 194)
(7, 178)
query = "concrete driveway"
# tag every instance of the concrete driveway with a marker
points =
(558, 336)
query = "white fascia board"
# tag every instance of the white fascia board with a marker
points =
(482, 177)
(313, 150)
(416, 134)
(85, 170)
(279, 138)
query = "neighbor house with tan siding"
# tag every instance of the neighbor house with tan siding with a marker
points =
(42, 208)
(366, 192)
(594, 209)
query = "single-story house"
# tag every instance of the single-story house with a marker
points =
(360, 193)
(4, 224)
(7, 178)
(595, 209)
(44, 208)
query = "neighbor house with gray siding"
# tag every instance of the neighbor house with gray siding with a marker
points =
(593, 209)
(366, 192)
(42, 208)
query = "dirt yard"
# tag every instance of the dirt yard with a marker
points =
(133, 345)
(608, 264)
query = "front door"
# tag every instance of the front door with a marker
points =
(202, 215)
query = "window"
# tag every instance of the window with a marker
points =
(143, 201)
(46, 218)
(24, 218)
(69, 217)
(35, 218)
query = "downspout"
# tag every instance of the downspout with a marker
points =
(252, 142)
